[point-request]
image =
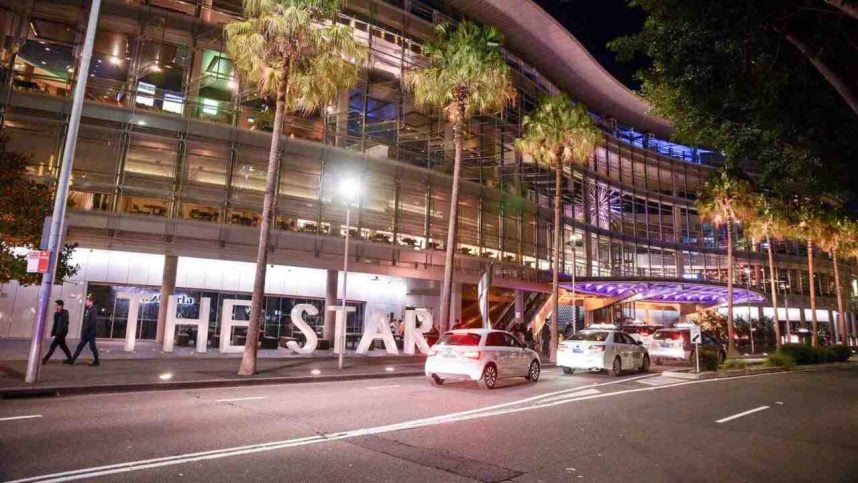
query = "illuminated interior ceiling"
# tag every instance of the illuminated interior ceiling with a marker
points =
(665, 291)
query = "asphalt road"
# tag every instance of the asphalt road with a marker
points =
(587, 427)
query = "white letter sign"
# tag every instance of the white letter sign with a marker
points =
(339, 326)
(298, 321)
(202, 324)
(414, 333)
(376, 327)
(228, 321)
(133, 314)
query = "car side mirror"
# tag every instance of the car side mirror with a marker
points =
(637, 342)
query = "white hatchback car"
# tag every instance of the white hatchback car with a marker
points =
(597, 349)
(482, 355)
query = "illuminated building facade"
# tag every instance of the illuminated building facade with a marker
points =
(170, 169)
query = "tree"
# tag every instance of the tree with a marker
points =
(558, 134)
(295, 51)
(24, 205)
(767, 222)
(728, 74)
(808, 226)
(712, 323)
(726, 198)
(466, 76)
(834, 237)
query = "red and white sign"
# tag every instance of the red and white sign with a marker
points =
(37, 261)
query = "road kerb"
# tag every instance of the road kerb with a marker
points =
(59, 391)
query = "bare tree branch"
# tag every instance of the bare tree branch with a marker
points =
(832, 77)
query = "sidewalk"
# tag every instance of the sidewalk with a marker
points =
(149, 369)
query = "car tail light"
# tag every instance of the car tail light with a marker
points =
(563, 347)
(471, 355)
(596, 348)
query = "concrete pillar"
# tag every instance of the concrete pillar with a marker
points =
(833, 326)
(802, 318)
(588, 318)
(330, 300)
(519, 306)
(455, 303)
(854, 328)
(685, 310)
(168, 286)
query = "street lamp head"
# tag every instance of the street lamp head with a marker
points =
(350, 190)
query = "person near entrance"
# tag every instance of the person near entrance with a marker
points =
(59, 331)
(87, 335)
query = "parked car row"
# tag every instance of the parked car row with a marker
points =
(487, 355)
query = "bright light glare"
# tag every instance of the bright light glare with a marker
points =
(389, 369)
(350, 189)
(166, 376)
(315, 372)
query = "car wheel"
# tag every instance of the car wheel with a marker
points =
(616, 367)
(645, 364)
(533, 372)
(489, 377)
(568, 370)
(434, 379)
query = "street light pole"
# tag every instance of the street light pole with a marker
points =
(345, 285)
(55, 237)
(748, 304)
(350, 193)
(786, 309)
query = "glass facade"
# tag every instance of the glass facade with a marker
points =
(181, 138)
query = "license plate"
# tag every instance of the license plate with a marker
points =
(577, 350)
(666, 344)
(449, 354)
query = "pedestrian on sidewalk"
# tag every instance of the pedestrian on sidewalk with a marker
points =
(88, 333)
(546, 338)
(59, 331)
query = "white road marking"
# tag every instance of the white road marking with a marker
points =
(241, 399)
(737, 416)
(585, 392)
(779, 403)
(657, 381)
(495, 410)
(383, 387)
(15, 418)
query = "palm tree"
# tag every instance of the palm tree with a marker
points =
(810, 228)
(466, 76)
(295, 51)
(835, 235)
(726, 199)
(558, 134)
(767, 222)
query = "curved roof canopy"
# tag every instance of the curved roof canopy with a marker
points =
(537, 37)
(667, 291)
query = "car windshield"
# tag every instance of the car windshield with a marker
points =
(451, 338)
(590, 335)
(668, 335)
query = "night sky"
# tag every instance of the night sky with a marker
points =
(596, 22)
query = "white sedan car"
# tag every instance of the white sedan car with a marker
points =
(482, 355)
(598, 349)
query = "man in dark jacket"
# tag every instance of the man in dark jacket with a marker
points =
(87, 335)
(59, 331)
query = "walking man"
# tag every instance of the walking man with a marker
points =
(59, 331)
(87, 335)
